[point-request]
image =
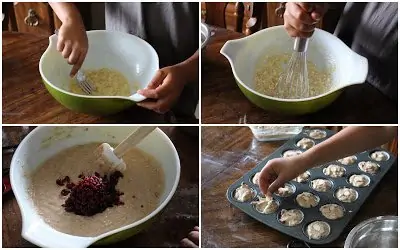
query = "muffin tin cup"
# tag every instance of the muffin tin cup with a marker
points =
(312, 214)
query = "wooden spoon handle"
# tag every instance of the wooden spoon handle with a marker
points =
(132, 140)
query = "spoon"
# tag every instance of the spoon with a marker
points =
(111, 159)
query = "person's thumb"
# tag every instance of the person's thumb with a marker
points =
(279, 182)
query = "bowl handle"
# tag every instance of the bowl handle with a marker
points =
(44, 236)
(360, 70)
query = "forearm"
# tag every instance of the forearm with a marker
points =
(349, 141)
(66, 12)
(191, 67)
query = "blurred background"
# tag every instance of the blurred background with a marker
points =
(250, 17)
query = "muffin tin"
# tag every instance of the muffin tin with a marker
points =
(312, 214)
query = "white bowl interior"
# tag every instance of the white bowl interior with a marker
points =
(128, 54)
(326, 51)
(45, 142)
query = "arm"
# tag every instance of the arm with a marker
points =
(349, 141)
(72, 41)
(66, 12)
(191, 67)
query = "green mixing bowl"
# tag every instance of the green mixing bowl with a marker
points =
(128, 54)
(325, 51)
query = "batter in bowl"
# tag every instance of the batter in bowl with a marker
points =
(359, 180)
(332, 211)
(142, 186)
(244, 193)
(318, 230)
(292, 217)
(369, 167)
(334, 171)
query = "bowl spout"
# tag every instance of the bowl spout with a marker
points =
(42, 235)
(231, 49)
(360, 71)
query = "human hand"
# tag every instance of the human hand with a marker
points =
(279, 171)
(73, 44)
(300, 18)
(165, 88)
(192, 240)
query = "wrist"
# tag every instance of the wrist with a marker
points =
(188, 70)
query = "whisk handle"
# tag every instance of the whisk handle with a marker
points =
(300, 44)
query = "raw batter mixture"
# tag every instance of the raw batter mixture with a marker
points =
(305, 143)
(270, 68)
(142, 184)
(369, 167)
(317, 134)
(346, 194)
(244, 193)
(380, 156)
(332, 211)
(321, 185)
(307, 200)
(303, 177)
(291, 217)
(290, 153)
(108, 82)
(318, 230)
(348, 160)
(359, 180)
(285, 191)
(334, 171)
(265, 205)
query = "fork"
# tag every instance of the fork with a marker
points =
(83, 83)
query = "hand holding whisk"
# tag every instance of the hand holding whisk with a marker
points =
(293, 83)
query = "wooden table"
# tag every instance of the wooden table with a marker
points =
(177, 220)
(223, 102)
(227, 154)
(26, 100)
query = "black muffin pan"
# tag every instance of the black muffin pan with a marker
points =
(312, 214)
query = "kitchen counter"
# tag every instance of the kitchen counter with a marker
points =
(179, 217)
(26, 100)
(223, 102)
(227, 154)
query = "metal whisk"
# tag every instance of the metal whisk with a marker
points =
(293, 82)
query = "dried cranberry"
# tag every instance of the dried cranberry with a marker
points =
(81, 176)
(70, 185)
(93, 194)
(65, 192)
(59, 182)
(66, 179)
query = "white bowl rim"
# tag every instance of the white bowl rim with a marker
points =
(90, 96)
(276, 98)
(20, 201)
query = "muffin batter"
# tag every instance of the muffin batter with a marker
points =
(285, 191)
(359, 180)
(142, 184)
(318, 230)
(334, 171)
(348, 160)
(265, 205)
(317, 134)
(303, 177)
(332, 211)
(107, 82)
(346, 195)
(244, 193)
(380, 156)
(291, 217)
(305, 143)
(291, 153)
(307, 200)
(321, 185)
(369, 167)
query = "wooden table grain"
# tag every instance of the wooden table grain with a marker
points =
(227, 154)
(224, 103)
(26, 100)
(179, 216)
